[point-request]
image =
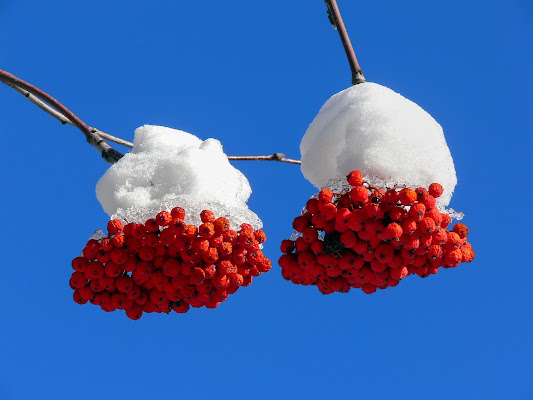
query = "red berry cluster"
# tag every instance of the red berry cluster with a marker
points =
(369, 238)
(165, 264)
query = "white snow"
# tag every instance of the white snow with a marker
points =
(168, 168)
(387, 137)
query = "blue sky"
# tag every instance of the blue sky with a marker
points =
(254, 75)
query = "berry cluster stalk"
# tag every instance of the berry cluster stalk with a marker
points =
(336, 20)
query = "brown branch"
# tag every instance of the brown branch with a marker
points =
(273, 157)
(53, 107)
(61, 118)
(336, 20)
(94, 136)
(111, 138)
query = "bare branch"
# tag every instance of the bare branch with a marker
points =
(112, 138)
(274, 157)
(42, 105)
(336, 20)
(61, 118)
(62, 113)
(94, 136)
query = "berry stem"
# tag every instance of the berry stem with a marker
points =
(370, 186)
(53, 107)
(336, 21)
(95, 136)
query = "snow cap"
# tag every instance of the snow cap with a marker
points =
(168, 168)
(387, 137)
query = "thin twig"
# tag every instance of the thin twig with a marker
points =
(61, 118)
(273, 157)
(112, 138)
(336, 20)
(62, 113)
(94, 136)
(42, 105)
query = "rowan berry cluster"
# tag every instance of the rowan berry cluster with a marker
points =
(166, 264)
(371, 239)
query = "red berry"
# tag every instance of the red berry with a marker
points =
(134, 312)
(94, 270)
(359, 195)
(300, 223)
(107, 282)
(391, 197)
(355, 178)
(207, 216)
(164, 218)
(112, 270)
(325, 196)
(422, 194)
(118, 241)
(80, 263)
(151, 225)
(119, 256)
(78, 280)
(221, 225)
(430, 202)
(409, 225)
(146, 253)
(328, 211)
(206, 230)
(91, 249)
(446, 220)
(178, 213)
(312, 205)
(106, 244)
(124, 283)
(181, 307)
(77, 297)
(310, 234)
(435, 189)
(198, 276)
(368, 288)
(417, 212)
(461, 229)
(348, 238)
(151, 239)
(86, 293)
(408, 197)
(260, 236)
(427, 225)
(392, 231)
(384, 253)
(114, 227)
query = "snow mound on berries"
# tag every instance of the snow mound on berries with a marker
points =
(169, 168)
(387, 137)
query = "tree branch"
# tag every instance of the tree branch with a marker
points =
(53, 107)
(336, 21)
(61, 118)
(274, 157)
(94, 136)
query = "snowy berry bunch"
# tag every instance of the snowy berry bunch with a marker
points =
(370, 238)
(166, 264)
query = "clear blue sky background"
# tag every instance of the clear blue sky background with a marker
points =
(253, 74)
